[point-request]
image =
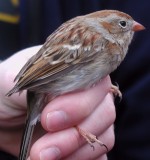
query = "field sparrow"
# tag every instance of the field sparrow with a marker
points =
(76, 56)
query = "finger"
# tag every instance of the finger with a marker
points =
(102, 118)
(98, 122)
(86, 152)
(63, 143)
(70, 109)
(104, 157)
(55, 145)
(68, 141)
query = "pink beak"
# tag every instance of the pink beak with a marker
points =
(137, 26)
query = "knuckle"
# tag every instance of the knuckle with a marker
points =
(103, 157)
(110, 109)
(111, 137)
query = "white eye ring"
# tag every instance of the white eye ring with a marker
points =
(123, 24)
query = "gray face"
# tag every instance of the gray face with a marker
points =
(118, 24)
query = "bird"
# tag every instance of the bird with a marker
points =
(76, 56)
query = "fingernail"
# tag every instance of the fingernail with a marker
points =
(56, 120)
(50, 154)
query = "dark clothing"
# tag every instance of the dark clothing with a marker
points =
(6, 156)
(9, 28)
(39, 19)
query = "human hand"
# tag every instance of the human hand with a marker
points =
(92, 110)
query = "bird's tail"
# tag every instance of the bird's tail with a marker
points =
(26, 140)
(35, 105)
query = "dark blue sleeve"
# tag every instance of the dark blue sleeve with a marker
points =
(6, 156)
(9, 26)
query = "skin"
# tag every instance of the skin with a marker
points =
(92, 110)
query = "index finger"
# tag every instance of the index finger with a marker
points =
(68, 110)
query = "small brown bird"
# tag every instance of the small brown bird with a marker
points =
(76, 56)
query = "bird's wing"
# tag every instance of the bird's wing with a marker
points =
(58, 55)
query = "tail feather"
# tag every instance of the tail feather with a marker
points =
(13, 90)
(35, 103)
(26, 140)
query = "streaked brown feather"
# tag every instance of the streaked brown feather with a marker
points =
(53, 58)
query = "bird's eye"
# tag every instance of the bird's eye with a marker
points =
(123, 24)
